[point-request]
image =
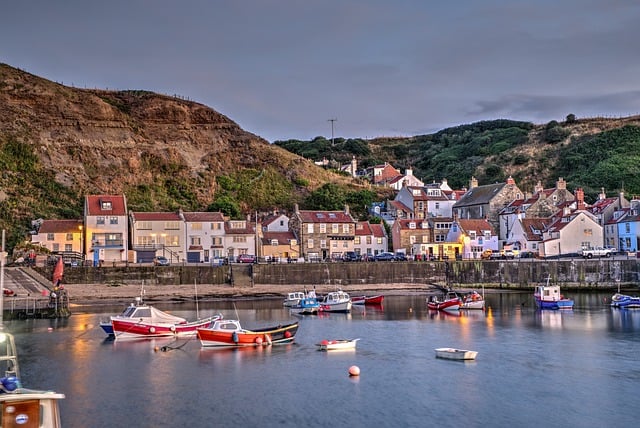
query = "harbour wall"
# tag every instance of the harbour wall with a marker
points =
(508, 274)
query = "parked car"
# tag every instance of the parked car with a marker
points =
(246, 258)
(508, 254)
(526, 255)
(161, 261)
(351, 256)
(401, 257)
(8, 292)
(385, 256)
(486, 254)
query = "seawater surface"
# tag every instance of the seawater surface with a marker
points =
(574, 368)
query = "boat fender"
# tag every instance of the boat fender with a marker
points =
(287, 334)
(152, 330)
(267, 339)
(234, 337)
(172, 328)
(258, 341)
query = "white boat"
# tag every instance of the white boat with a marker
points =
(337, 345)
(21, 406)
(336, 301)
(294, 298)
(473, 300)
(455, 354)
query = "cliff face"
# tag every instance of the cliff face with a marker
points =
(97, 141)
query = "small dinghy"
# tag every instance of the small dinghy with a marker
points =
(455, 354)
(337, 345)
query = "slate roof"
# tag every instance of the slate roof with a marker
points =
(60, 226)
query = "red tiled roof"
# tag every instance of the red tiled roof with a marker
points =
(283, 238)
(363, 229)
(477, 225)
(60, 226)
(94, 205)
(203, 216)
(378, 230)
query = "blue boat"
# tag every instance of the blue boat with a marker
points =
(549, 297)
(623, 301)
(306, 306)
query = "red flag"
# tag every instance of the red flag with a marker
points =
(58, 272)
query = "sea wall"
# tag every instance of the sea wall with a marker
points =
(508, 274)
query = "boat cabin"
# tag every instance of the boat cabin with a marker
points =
(226, 325)
(548, 293)
(336, 297)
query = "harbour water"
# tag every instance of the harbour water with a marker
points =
(575, 368)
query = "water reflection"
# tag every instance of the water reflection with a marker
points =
(625, 319)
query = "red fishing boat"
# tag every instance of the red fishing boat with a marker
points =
(450, 302)
(225, 332)
(367, 300)
(143, 321)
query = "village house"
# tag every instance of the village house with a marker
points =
(382, 174)
(323, 234)
(60, 237)
(627, 228)
(572, 231)
(486, 201)
(277, 242)
(370, 239)
(603, 208)
(155, 234)
(204, 237)
(408, 179)
(473, 236)
(239, 238)
(106, 229)
(527, 234)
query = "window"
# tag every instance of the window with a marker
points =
(216, 240)
(56, 248)
(412, 239)
(216, 226)
(106, 205)
(194, 240)
(310, 229)
(378, 241)
(100, 220)
(323, 243)
(144, 240)
(172, 225)
(412, 225)
(68, 247)
(425, 239)
(113, 220)
(274, 242)
(172, 241)
(238, 239)
(345, 228)
(238, 224)
(69, 237)
(335, 228)
(323, 228)
(310, 243)
(143, 225)
(196, 226)
(440, 238)
(356, 241)
(50, 237)
(627, 228)
(588, 232)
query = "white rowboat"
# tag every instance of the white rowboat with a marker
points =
(455, 354)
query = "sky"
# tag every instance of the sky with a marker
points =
(298, 69)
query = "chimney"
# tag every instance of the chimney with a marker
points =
(561, 184)
(296, 209)
(510, 180)
(602, 196)
(580, 199)
(538, 187)
(473, 183)
(346, 209)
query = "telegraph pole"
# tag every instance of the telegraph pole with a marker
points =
(332, 120)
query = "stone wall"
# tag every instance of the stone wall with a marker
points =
(516, 274)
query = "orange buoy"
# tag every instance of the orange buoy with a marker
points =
(258, 341)
(354, 371)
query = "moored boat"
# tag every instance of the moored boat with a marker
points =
(293, 298)
(306, 306)
(20, 406)
(473, 300)
(450, 302)
(337, 345)
(144, 321)
(336, 301)
(619, 300)
(548, 296)
(367, 300)
(224, 332)
(455, 354)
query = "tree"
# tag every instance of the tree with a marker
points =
(227, 205)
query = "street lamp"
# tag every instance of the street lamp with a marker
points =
(80, 227)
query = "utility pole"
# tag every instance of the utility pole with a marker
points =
(332, 120)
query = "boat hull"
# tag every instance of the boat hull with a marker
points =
(456, 354)
(337, 345)
(130, 329)
(367, 300)
(554, 304)
(274, 335)
(344, 307)
(447, 305)
(475, 304)
(625, 302)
